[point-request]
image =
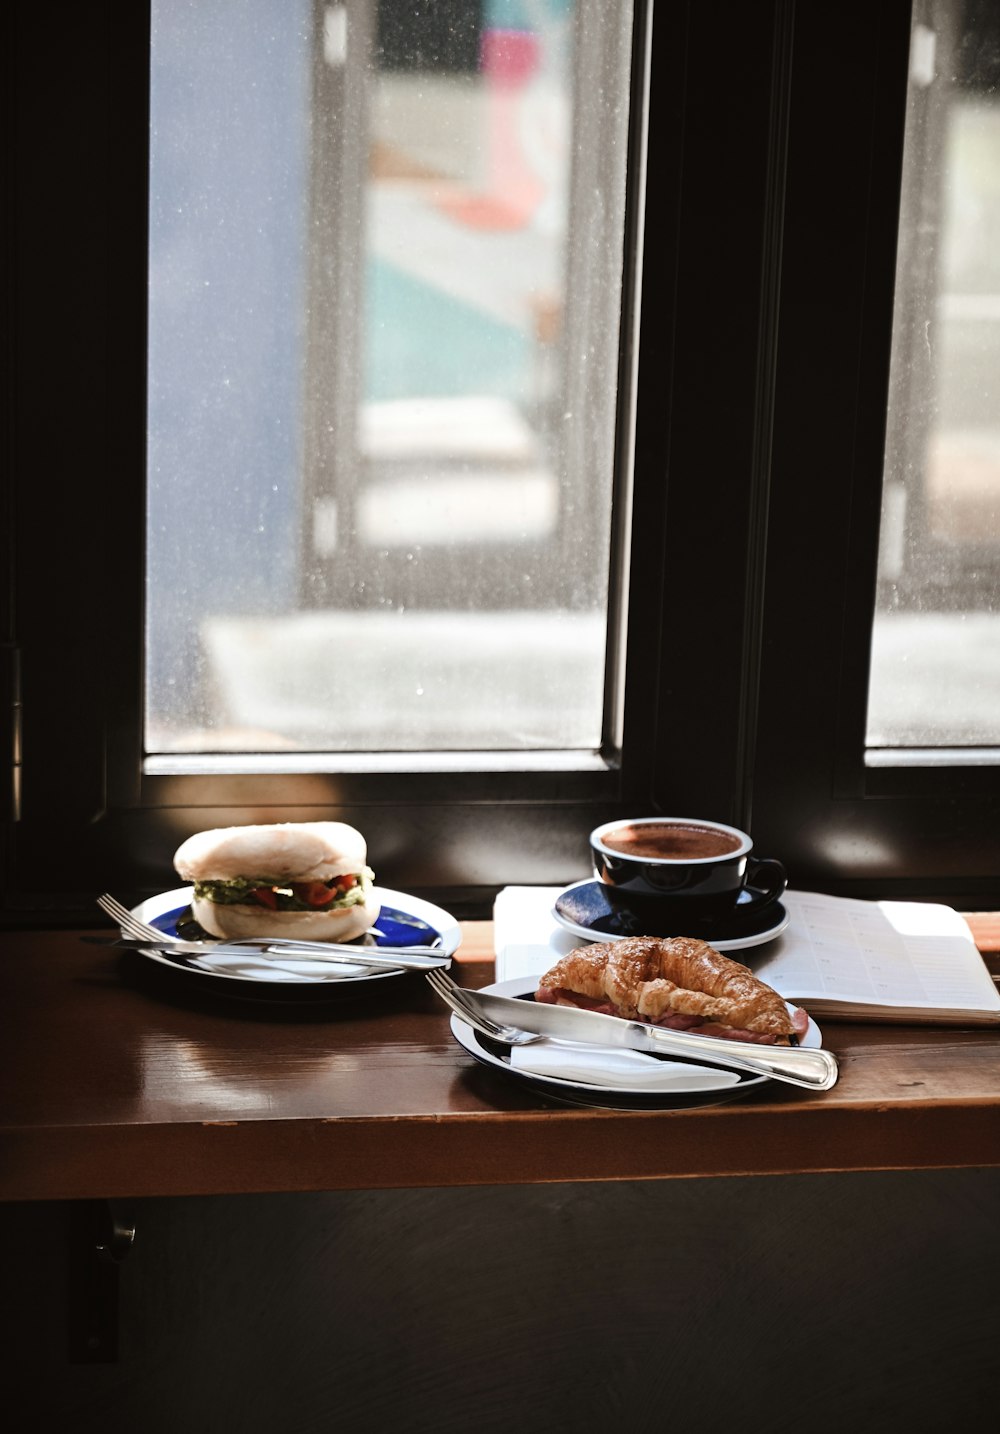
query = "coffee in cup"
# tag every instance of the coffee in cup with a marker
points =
(688, 867)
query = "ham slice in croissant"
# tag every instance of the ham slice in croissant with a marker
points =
(678, 982)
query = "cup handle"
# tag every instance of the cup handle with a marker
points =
(768, 878)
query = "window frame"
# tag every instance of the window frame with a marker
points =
(122, 820)
(727, 189)
(883, 824)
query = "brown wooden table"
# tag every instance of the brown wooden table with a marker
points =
(121, 1079)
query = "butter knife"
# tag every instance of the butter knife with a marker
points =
(815, 1069)
(377, 956)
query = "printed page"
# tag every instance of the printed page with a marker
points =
(881, 953)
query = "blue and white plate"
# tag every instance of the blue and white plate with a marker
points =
(403, 921)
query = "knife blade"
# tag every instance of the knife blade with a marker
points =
(814, 1069)
(377, 956)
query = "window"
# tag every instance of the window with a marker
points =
(935, 687)
(762, 198)
(888, 826)
(386, 248)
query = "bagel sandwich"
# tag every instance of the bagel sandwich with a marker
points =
(295, 880)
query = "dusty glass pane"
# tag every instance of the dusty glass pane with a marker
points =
(385, 276)
(935, 676)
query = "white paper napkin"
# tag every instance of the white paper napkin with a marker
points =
(286, 969)
(619, 1069)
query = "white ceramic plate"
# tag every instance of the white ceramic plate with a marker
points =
(403, 921)
(492, 1053)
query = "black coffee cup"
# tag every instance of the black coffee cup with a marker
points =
(686, 866)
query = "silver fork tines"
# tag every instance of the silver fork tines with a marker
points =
(130, 923)
(456, 998)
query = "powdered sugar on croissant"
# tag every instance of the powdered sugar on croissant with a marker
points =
(677, 981)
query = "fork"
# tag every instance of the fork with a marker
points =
(142, 931)
(459, 1002)
(131, 924)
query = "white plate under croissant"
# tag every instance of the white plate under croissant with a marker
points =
(613, 1096)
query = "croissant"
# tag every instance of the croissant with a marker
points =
(667, 980)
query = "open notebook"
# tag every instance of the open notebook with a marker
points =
(900, 961)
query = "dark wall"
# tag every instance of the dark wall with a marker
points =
(825, 1303)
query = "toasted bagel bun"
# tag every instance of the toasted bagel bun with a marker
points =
(286, 851)
(235, 920)
(275, 854)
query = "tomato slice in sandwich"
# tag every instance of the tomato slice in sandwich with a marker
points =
(315, 893)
